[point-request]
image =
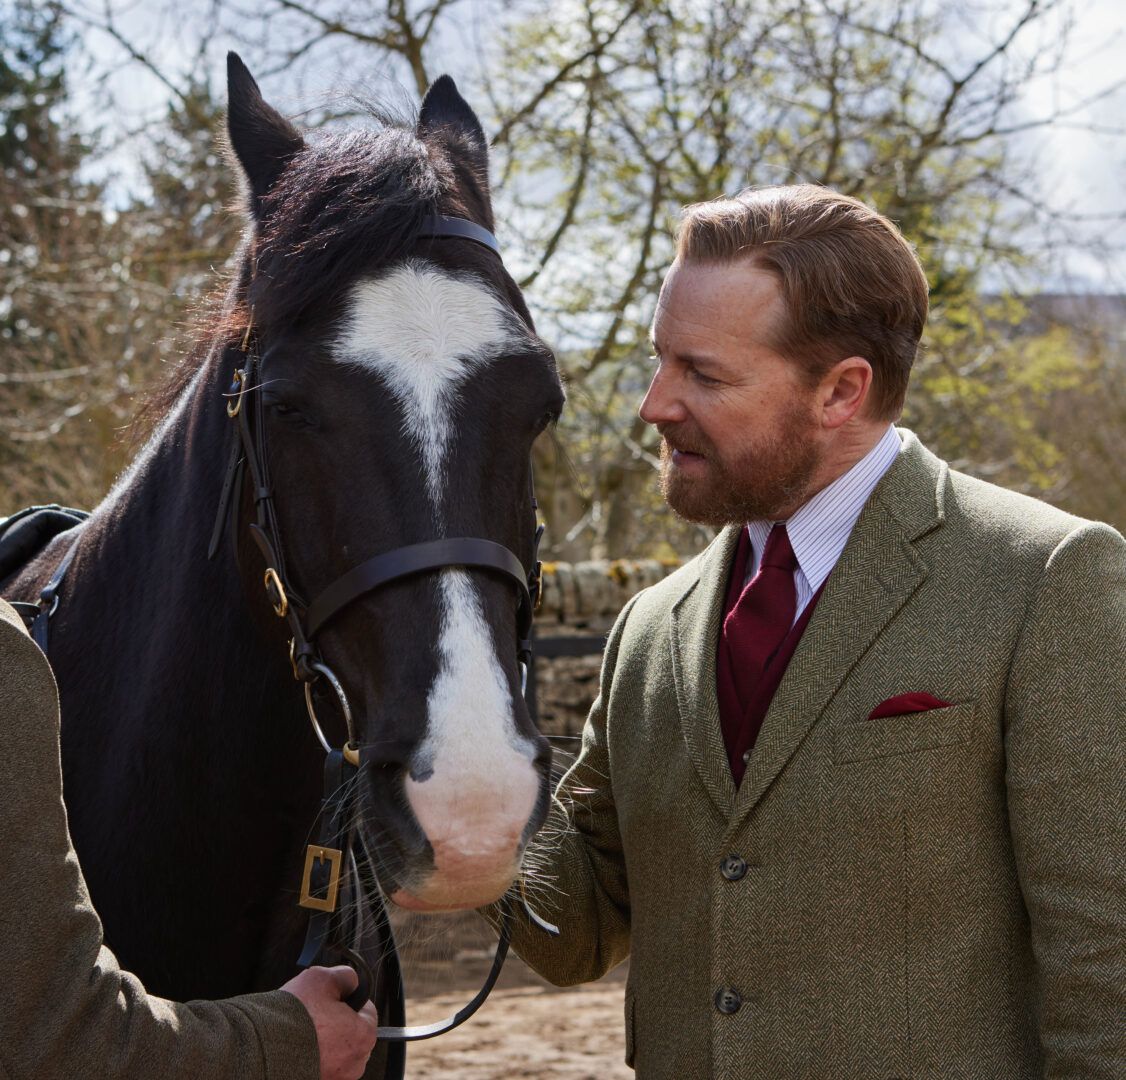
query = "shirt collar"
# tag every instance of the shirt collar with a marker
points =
(820, 529)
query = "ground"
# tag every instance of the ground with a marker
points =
(527, 1028)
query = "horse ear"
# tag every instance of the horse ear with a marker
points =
(262, 139)
(444, 109)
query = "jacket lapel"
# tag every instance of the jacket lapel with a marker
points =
(877, 573)
(695, 634)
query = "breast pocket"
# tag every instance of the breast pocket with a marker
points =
(860, 740)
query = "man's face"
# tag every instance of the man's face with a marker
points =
(740, 435)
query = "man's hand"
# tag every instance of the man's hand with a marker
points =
(344, 1038)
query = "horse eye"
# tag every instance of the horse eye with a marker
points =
(286, 411)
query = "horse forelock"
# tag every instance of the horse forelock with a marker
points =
(345, 207)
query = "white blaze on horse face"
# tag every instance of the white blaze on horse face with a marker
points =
(480, 788)
(425, 331)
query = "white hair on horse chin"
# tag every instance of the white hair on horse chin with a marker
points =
(425, 331)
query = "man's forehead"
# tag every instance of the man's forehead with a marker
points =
(733, 298)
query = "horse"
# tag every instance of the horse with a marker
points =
(400, 385)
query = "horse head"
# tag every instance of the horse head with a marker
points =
(400, 386)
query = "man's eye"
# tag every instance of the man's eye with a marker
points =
(704, 380)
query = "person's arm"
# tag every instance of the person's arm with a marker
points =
(577, 874)
(66, 1009)
(1065, 746)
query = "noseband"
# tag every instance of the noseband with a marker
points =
(338, 854)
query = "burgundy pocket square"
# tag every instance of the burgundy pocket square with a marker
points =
(907, 703)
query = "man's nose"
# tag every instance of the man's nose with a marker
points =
(661, 404)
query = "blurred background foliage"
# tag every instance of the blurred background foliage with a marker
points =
(606, 117)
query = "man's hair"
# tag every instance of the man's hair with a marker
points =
(851, 283)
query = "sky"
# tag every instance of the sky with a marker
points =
(1080, 164)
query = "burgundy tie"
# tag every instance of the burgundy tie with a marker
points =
(759, 622)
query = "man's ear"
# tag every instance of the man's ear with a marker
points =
(844, 390)
(445, 110)
(263, 141)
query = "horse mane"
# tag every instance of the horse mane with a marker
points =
(348, 203)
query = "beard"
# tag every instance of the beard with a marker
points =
(766, 480)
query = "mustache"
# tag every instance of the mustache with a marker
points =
(683, 439)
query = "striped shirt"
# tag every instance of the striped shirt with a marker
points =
(820, 529)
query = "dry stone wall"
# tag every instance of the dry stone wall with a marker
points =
(580, 600)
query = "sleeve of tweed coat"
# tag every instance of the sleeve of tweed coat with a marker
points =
(66, 1009)
(577, 875)
(1066, 777)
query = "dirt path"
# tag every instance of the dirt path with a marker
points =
(527, 1028)
(530, 1031)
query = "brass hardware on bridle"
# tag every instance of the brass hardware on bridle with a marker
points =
(334, 857)
(238, 385)
(238, 389)
(275, 590)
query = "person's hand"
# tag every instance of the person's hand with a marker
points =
(344, 1038)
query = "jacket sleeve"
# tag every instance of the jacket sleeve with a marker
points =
(576, 874)
(1066, 774)
(66, 1009)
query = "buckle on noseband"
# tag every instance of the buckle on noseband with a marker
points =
(314, 853)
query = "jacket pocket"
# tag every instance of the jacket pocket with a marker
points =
(860, 740)
(630, 1036)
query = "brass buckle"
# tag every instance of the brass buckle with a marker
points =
(335, 857)
(233, 407)
(281, 604)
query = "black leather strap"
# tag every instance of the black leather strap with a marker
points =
(232, 471)
(438, 226)
(440, 1027)
(415, 559)
(49, 599)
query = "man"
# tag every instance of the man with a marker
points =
(853, 795)
(67, 1011)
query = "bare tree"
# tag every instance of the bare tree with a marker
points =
(609, 115)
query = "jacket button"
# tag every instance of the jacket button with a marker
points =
(727, 1000)
(733, 868)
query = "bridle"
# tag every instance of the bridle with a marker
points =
(333, 863)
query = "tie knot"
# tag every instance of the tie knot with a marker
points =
(778, 554)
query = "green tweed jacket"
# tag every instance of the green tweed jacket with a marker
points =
(936, 895)
(67, 1011)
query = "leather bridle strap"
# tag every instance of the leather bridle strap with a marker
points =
(416, 559)
(440, 226)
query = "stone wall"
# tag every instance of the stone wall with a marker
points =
(581, 600)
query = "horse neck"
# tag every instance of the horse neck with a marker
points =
(143, 598)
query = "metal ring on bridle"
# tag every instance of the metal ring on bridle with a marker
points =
(345, 708)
